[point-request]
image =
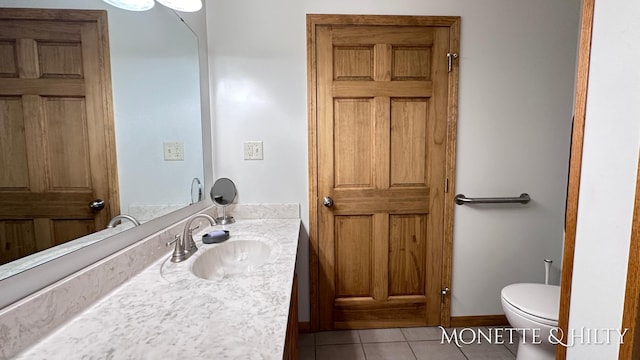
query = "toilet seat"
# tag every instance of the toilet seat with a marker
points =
(539, 302)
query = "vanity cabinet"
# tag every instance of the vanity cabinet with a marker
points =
(291, 341)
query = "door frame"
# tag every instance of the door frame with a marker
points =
(314, 20)
(575, 166)
(631, 314)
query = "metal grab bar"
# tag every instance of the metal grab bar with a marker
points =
(524, 198)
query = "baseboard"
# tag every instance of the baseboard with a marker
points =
(304, 326)
(481, 320)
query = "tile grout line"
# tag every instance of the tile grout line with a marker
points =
(363, 352)
(415, 356)
(412, 351)
(361, 345)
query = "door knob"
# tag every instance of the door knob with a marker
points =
(97, 204)
(327, 201)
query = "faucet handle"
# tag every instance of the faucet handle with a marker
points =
(177, 238)
(194, 228)
(178, 252)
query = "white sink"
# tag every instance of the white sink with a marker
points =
(230, 258)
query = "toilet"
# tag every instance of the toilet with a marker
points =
(532, 306)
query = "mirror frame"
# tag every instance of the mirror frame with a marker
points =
(27, 282)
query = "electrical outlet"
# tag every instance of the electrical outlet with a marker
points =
(173, 151)
(253, 150)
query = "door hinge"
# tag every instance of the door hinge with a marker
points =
(450, 57)
(446, 185)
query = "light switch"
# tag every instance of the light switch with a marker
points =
(253, 150)
(173, 151)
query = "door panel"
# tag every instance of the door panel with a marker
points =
(353, 275)
(21, 234)
(353, 140)
(407, 249)
(67, 143)
(8, 66)
(411, 63)
(60, 60)
(353, 63)
(13, 147)
(381, 117)
(56, 128)
(408, 148)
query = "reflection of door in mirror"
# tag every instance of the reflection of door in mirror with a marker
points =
(57, 151)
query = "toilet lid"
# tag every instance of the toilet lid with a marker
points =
(539, 300)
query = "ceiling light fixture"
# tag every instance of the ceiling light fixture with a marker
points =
(143, 5)
(182, 5)
(132, 5)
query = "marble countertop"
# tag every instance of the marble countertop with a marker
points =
(165, 312)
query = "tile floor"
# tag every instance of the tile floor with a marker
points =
(423, 343)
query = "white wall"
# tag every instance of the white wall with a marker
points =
(156, 98)
(516, 90)
(608, 178)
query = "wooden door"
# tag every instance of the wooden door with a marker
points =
(382, 109)
(57, 151)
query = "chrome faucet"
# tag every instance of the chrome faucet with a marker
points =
(121, 217)
(185, 246)
(187, 236)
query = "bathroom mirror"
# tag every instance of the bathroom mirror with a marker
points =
(223, 193)
(156, 99)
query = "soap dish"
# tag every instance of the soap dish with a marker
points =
(216, 236)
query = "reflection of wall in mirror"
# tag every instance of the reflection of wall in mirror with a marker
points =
(156, 96)
(150, 105)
